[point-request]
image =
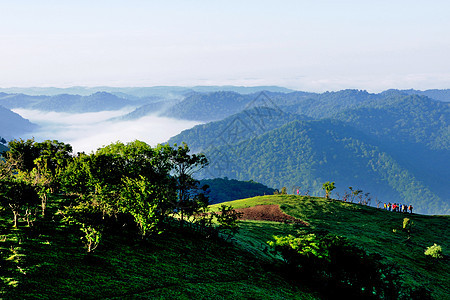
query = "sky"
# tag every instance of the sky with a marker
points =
(304, 45)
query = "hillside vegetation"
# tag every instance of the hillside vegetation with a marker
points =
(47, 261)
(375, 230)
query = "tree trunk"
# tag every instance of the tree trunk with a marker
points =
(16, 216)
(43, 204)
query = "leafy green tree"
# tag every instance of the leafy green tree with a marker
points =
(18, 196)
(142, 199)
(125, 179)
(184, 165)
(76, 178)
(54, 156)
(39, 164)
(227, 218)
(328, 187)
(22, 154)
(89, 219)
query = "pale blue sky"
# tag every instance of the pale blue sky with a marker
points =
(305, 45)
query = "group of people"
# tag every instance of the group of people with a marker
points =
(398, 207)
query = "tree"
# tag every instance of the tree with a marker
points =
(355, 193)
(142, 199)
(22, 154)
(328, 187)
(18, 196)
(39, 164)
(184, 165)
(54, 156)
(89, 218)
(227, 218)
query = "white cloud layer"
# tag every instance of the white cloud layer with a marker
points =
(89, 131)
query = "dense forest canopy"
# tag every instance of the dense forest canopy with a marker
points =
(392, 145)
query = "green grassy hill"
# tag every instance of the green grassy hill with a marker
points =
(47, 261)
(376, 230)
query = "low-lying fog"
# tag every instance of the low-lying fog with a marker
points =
(90, 131)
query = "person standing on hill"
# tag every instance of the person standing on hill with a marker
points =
(410, 208)
(389, 206)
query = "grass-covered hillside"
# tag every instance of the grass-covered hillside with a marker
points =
(48, 261)
(376, 230)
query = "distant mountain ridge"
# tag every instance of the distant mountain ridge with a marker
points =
(393, 145)
(12, 124)
(162, 91)
(96, 102)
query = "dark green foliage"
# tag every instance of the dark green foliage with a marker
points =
(227, 218)
(90, 219)
(38, 164)
(19, 197)
(334, 262)
(236, 129)
(224, 189)
(308, 153)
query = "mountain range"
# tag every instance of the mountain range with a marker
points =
(391, 145)
(394, 144)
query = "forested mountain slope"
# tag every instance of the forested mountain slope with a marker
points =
(12, 124)
(441, 95)
(235, 129)
(209, 107)
(393, 146)
(307, 154)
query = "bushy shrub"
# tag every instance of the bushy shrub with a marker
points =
(90, 221)
(343, 267)
(227, 218)
(434, 251)
(407, 223)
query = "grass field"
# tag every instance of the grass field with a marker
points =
(376, 230)
(47, 261)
